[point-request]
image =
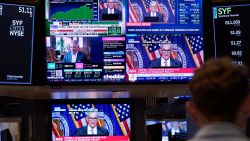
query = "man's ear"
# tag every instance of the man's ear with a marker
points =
(247, 107)
(191, 109)
(195, 114)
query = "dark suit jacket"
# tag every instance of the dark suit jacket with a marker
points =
(159, 15)
(84, 132)
(81, 57)
(174, 63)
(105, 11)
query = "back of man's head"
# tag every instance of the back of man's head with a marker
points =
(219, 88)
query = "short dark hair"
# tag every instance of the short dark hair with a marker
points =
(219, 88)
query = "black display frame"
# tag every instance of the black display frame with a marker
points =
(209, 29)
(205, 5)
(96, 101)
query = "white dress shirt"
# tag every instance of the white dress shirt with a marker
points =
(173, 131)
(220, 132)
(165, 63)
(73, 57)
(111, 11)
(152, 14)
(92, 131)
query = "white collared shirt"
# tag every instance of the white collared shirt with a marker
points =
(91, 131)
(73, 57)
(111, 11)
(152, 14)
(163, 64)
(173, 131)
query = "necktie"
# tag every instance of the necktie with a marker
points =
(92, 131)
(166, 63)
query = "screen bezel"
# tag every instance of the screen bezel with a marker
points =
(210, 42)
(95, 101)
(34, 42)
(169, 82)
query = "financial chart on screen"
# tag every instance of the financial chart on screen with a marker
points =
(16, 37)
(123, 41)
(75, 121)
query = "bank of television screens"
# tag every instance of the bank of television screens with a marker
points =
(16, 38)
(99, 122)
(117, 41)
(172, 129)
(232, 31)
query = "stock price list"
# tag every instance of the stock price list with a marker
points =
(231, 30)
(189, 12)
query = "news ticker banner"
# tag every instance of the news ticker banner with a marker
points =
(16, 37)
(96, 138)
(232, 32)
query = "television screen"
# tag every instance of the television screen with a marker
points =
(172, 129)
(123, 41)
(16, 37)
(88, 121)
(232, 31)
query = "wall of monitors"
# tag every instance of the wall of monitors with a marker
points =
(123, 41)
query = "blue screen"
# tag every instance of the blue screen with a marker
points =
(123, 41)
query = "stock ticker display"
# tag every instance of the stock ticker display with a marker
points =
(232, 32)
(16, 37)
(116, 41)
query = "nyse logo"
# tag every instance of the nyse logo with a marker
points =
(17, 28)
(224, 11)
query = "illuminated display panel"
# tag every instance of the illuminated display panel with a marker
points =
(16, 37)
(171, 128)
(231, 31)
(75, 121)
(127, 44)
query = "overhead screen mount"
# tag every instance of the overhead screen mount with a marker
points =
(127, 47)
(16, 38)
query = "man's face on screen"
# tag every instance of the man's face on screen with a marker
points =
(176, 125)
(92, 119)
(74, 48)
(166, 51)
(111, 4)
(152, 7)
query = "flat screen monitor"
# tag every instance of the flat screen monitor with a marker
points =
(16, 37)
(123, 41)
(172, 129)
(232, 31)
(91, 121)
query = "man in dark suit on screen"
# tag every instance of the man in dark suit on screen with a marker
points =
(74, 55)
(153, 15)
(92, 129)
(165, 60)
(110, 13)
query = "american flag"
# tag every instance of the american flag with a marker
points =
(171, 3)
(123, 113)
(195, 43)
(133, 17)
(146, 4)
(79, 117)
(153, 48)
